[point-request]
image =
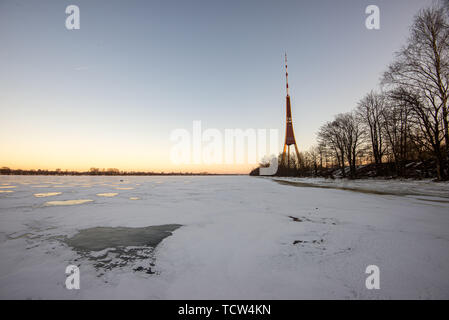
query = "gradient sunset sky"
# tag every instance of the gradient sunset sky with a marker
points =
(109, 95)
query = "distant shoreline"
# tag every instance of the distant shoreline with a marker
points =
(19, 172)
(132, 175)
(124, 175)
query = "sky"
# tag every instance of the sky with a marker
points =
(110, 94)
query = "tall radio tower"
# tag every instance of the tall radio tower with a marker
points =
(289, 133)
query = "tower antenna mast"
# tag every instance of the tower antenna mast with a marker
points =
(286, 72)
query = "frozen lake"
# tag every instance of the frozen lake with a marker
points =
(221, 237)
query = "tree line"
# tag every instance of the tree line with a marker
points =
(97, 172)
(404, 123)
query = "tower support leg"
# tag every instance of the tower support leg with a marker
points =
(283, 154)
(297, 153)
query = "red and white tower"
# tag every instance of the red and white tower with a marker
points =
(289, 133)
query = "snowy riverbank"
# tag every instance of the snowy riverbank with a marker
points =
(405, 187)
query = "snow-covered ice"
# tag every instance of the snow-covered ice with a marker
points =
(239, 238)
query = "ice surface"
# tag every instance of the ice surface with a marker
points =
(241, 238)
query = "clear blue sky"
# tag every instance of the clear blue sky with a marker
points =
(136, 70)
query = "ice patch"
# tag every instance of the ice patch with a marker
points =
(48, 194)
(67, 202)
(109, 195)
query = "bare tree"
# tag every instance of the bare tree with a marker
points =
(445, 5)
(344, 137)
(421, 71)
(370, 113)
(321, 150)
(352, 138)
(331, 135)
(396, 126)
(314, 157)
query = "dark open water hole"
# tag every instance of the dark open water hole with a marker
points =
(112, 247)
